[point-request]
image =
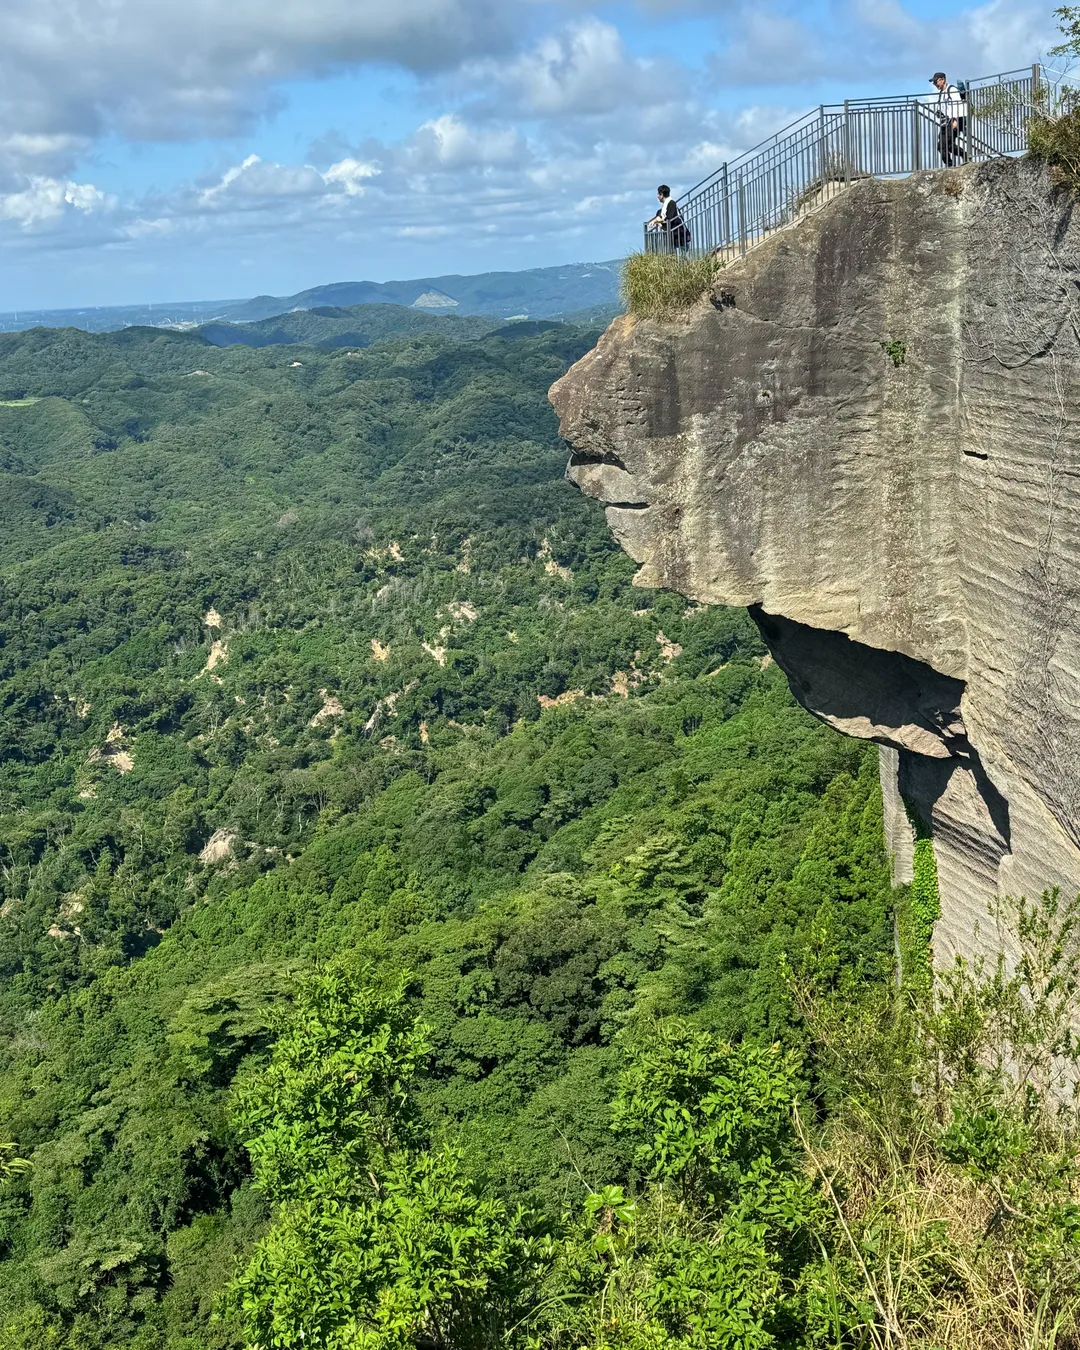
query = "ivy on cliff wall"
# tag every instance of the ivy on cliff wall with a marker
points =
(920, 910)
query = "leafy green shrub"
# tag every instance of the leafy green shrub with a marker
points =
(933, 1203)
(1050, 112)
(921, 909)
(704, 1114)
(712, 1251)
(896, 351)
(10, 1165)
(1054, 129)
(660, 285)
(376, 1241)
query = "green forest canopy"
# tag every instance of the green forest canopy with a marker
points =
(321, 690)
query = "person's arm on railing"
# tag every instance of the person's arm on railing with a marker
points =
(666, 213)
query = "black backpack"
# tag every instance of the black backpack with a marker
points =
(677, 230)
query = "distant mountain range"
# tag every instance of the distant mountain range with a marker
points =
(330, 326)
(541, 293)
(573, 291)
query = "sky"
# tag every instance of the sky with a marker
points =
(164, 150)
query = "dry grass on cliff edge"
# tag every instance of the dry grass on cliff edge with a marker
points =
(659, 285)
(1056, 140)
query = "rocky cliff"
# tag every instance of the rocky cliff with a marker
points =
(866, 435)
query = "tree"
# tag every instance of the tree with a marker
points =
(710, 1257)
(376, 1241)
(1068, 17)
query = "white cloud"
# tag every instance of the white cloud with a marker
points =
(32, 147)
(589, 105)
(662, 8)
(446, 167)
(770, 48)
(562, 140)
(879, 40)
(450, 144)
(1002, 34)
(583, 70)
(257, 180)
(74, 70)
(46, 202)
(255, 195)
(352, 175)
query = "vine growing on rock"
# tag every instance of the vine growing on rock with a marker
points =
(896, 351)
(923, 909)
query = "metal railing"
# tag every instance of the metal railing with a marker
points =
(818, 156)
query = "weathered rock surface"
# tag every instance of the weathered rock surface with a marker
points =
(906, 535)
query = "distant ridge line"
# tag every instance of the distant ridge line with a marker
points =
(537, 292)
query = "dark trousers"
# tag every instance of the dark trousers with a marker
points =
(949, 146)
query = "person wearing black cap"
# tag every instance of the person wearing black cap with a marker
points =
(951, 114)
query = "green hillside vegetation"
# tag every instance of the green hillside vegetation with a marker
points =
(349, 326)
(411, 934)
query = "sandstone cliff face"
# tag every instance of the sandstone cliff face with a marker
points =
(907, 536)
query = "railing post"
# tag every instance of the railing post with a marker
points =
(916, 139)
(727, 210)
(742, 216)
(823, 163)
(847, 143)
(1036, 82)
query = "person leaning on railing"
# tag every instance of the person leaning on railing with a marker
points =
(952, 115)
(669, 222)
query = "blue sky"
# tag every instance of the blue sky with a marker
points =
(155, 150)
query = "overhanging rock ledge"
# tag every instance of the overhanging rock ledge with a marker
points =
(904, 524)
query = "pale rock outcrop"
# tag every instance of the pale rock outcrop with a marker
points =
(220, 847)
(116, 753)
(217, 656)
(904, 524)
(332, 707)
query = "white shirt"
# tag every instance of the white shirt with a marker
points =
(948, 105)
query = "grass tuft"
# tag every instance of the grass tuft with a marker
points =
(660, 285)
(950, 1154)
(1056, 141)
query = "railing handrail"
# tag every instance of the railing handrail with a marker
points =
(885, 135)
(854, 104)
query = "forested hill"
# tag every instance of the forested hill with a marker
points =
(311, 656)
(345, 326)
(538, 292)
